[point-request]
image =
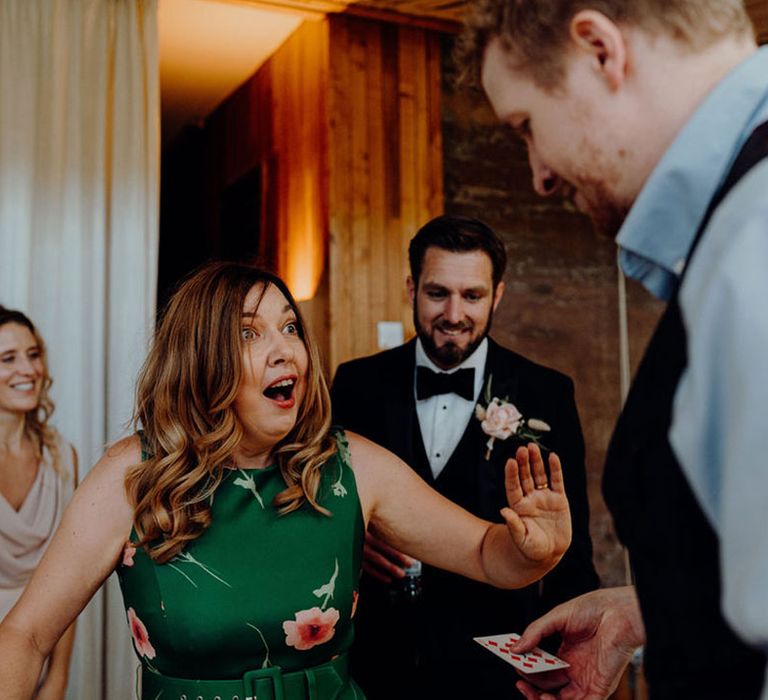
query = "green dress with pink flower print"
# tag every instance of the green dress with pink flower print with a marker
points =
(256, 589)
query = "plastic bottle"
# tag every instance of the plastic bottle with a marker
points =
(407, 617)
(411, 584)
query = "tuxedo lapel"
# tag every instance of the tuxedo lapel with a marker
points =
(503, 376)
(502, 380)
(401, 421)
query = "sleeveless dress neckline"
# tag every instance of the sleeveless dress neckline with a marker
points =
(26, 532)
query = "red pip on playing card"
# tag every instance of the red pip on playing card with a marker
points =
(535, 661)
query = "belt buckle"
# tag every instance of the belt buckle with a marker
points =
(272, 673)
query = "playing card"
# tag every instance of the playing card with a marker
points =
(535, 661)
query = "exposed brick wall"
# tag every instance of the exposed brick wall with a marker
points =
(561, 303)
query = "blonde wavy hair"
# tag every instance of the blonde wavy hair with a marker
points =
(36, 425)
(185, 406)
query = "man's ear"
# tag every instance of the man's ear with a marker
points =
(604, 40)
(411, 289)
(498, 294)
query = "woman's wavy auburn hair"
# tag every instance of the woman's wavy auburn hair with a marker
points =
(36, 421)
(185, 406)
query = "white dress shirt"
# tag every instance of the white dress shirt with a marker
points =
(444, 418)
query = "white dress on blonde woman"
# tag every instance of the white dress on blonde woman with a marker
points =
(25, 534)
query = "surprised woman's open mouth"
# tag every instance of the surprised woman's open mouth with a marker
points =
(281, 391)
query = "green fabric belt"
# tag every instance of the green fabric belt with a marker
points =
(316, 683)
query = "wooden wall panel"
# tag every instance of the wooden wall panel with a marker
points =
(298, 77)
(758, 11)
(385, 172)
(277, 120)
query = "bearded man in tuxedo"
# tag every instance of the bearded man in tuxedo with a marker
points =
(424, 401)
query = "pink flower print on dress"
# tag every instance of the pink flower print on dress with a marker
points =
(128, 552)
(311, 627)
(140, 635)
(355, 596)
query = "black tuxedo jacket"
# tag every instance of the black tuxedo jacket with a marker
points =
(374, 396)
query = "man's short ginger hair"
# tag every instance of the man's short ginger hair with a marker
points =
(536, 32)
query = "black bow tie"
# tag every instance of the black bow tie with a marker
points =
(429, 383)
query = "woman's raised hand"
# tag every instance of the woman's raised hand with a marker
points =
(538, 517)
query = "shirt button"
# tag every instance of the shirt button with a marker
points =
(437, 455)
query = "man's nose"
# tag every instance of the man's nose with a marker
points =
(454, 309)
(545, 180)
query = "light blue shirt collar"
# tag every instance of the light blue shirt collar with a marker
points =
(659, 230)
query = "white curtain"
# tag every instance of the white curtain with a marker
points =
(79, 170)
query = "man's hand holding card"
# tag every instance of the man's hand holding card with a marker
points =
(599, 630)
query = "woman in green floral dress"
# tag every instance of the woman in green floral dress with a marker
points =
(235, 517)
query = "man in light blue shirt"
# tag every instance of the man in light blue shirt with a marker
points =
(638, 111)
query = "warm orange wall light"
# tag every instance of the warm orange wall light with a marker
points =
(305, 250)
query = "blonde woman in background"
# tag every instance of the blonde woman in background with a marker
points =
(235, 517)
(38, 473)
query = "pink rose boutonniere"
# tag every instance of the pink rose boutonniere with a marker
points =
(501, 419)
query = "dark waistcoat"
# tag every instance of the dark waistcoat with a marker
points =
(691, 650)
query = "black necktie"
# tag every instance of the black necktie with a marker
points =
(429, 383)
